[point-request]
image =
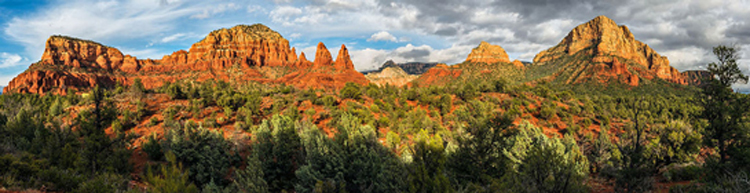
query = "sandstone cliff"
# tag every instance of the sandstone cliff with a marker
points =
(238, 54)
(605, 51)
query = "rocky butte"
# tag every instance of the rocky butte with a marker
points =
(390, 73)
(488, 53)
(600, 50)
(486, 61)
(239, 54)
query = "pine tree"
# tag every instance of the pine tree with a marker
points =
(721, 105)
(250, 179)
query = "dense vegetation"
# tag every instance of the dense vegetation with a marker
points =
(487, 134)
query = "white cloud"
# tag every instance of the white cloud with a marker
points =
(254, 8)
(368, 58)
(216, 9)
(172, 37)
(104, 22)
(9, 60)
(689, 58)
(382, 36)
(283, 14)
(4, 80)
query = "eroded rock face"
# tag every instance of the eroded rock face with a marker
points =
(241, 53)
(603, 40)
(61, 50)
(255, 45)
(488, 53)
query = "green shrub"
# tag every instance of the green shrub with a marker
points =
(175, 91)
(153, 148)
(171, 178)
(103, 183)
(351, 91)
(548, 112)
(137, 87)
(153, 121)
(543, 164)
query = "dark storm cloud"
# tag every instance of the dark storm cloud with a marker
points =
(448, 31)
(417, 53)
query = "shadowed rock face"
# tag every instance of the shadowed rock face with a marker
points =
(600, 42)
(697, 77)
(241, 53)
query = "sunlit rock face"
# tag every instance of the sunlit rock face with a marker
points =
(239, 54)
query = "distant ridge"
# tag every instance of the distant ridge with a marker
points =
(412, 68)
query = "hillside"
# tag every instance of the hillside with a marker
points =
(238, 54)
(412, 68)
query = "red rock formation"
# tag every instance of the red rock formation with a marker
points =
(322, 56)
(343, 62)
(603, 40)
(256, 44)
(61, 50)
(518, 64)
(302, 62)
(242, 53)
(488, 53)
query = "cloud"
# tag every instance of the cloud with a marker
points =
(9, 60)
(4, 80)
(414, 52)
(254, 8)
(283, 14)
(368, 58)
(218, 9)
(172, 37)
(105, 21)
(382, 36)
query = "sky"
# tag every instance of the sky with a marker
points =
(375, 31)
